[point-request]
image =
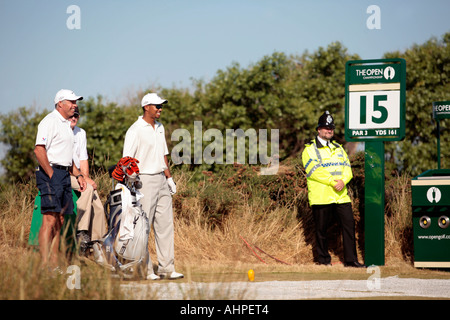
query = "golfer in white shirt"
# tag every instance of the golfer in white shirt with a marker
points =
(145, 141)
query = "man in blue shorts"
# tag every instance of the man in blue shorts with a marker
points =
(54, 153)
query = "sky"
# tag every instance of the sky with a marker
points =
(123, 47)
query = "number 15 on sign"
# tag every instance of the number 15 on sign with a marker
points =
(374, 113)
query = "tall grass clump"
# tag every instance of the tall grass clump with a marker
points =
(398, 218)
(22, 273)
(214, 211)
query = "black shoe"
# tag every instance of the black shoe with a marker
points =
(355, 264)
(83, 240)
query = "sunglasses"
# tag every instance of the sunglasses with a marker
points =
(76, 116)
(158, 106)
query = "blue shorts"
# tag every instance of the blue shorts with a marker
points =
(56, 193)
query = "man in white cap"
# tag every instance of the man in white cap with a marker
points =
(54, 153)
(145, 141)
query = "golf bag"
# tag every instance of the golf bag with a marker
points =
(124, 248)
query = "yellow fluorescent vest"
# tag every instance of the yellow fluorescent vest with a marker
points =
(324, 165)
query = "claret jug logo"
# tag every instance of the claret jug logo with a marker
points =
(434, 195)
(389, 73)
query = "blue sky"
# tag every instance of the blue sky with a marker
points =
(126, 46)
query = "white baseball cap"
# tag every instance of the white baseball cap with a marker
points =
(65, 94)
(152, 98)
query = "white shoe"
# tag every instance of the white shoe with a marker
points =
(171, 275)
(175, 275)
(153, 276)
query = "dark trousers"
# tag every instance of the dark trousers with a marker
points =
(323, 215)
(56, 193)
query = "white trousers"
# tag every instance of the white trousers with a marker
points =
(90, 212)
(157, 204)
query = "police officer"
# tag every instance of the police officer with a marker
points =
(328, 171)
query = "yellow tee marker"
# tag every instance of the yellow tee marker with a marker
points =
(251, 275)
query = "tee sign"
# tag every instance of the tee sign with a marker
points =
(375, 100)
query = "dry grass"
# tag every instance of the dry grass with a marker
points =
(220, 241)
(215, 215)
(22, 274)
(398, 222)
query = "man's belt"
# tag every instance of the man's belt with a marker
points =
(57, 166)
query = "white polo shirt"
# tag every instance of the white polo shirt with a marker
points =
(80, 146)
(148, 145)
(55, 134)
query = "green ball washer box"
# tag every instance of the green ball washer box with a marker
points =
(430, 214)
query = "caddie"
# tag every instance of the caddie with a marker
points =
(328, 172)
(91, 218)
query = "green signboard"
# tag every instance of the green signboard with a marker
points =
(374, 113)
(375, 100)
(441, 110)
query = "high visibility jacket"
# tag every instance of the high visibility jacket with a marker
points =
(324, 165)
